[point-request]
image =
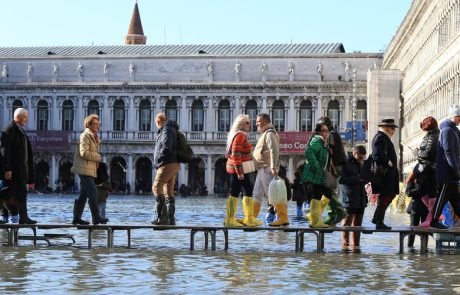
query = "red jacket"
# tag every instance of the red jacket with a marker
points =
(240, 151)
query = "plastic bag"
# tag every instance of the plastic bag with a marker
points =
(277, 193)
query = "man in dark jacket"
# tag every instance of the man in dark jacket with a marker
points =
(19, 162)
(448, 166)
(166, 164)
(337, 152)
(384, 155)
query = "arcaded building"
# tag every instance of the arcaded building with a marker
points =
(202, 87)
(425, 57)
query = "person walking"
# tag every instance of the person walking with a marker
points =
(426, 158)
(266, 158)
(384, 155)
(166, 164)
(238, 150)
(298, 194)
(86, 161)
(19, 162)
(353, 197)
(317, 159)
(337, 152)
(448, 166)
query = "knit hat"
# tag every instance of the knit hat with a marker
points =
(454, 111)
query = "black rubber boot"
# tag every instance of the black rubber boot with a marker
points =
(23, 216)
(379, 217)
(78, 208)
(95, 213)
(171, 210)
(160, 211)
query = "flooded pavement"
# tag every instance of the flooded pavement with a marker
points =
(160, 262)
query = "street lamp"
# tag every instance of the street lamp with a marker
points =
(353, 105)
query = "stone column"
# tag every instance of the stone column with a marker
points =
(347, 113)
(131, 114)
(184, 123)
(237, 103)
(31, 123)
(291, 169)
(80, 112)
(264, 104)
(55, 113)
(209, 116)
(106, 114)
(209, 179)
(291, 118)
(130, 171)
(54, 173)
(318, 112)
(5, 111)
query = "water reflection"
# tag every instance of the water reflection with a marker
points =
(256, 263)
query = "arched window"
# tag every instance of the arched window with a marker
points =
(42, 115)
(251, 111)
(333, 112)
(119, 115)
(224, 115)
(145, 115)
(93, 107)
(16, 104)
(305, 116)
(67, 115)
(197, 115)
(278, 115)
(171, 110)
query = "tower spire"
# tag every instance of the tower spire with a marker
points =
(135, 32)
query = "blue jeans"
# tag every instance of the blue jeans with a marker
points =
(88, 189)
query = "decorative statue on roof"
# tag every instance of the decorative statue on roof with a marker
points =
(131, 69)
(319, 68)
(29, 69)
(106, 69)
(237, 71)
(347, 68)
(80, 70)
(264, 68)
(5, 70)
(291, 70)
(55, 69)
(210, 69)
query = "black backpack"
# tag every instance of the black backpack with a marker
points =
(102, 173)
(184, 150)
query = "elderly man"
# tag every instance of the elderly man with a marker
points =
(19, 162)
(266, 157)
(166, 164)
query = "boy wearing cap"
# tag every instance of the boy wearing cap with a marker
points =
(448, 166)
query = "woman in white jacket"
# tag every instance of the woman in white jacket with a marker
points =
(85, 164)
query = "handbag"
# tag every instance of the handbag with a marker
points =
(330, 180)
(248, 166)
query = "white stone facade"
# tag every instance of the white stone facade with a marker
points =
(426, 50)
(203, 93)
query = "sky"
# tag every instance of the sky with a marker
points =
(360, 25)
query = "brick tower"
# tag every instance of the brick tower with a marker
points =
(135, 34)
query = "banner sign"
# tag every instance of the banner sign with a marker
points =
(50, 141)
(294, 142)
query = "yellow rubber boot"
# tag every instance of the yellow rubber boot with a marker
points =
(282, 213)
(316, 210)
(232, 206)
(248, 209)
(323, 203)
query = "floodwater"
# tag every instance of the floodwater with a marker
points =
(160, 262)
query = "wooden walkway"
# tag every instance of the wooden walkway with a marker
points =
(210, 233)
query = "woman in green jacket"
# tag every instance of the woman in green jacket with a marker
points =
(316, 160)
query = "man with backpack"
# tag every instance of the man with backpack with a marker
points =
(167, 165)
